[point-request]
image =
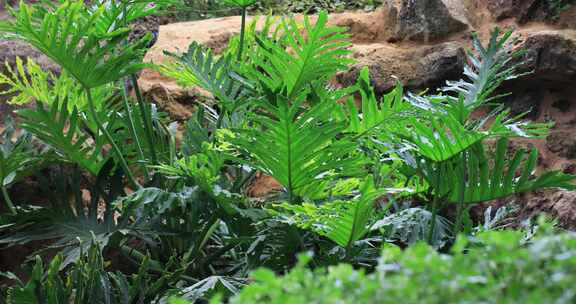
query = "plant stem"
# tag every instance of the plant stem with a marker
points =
(220, 119)
(433, 220)
(141, 104)
(460, 211)
(110, 140)
(8, 201)
(434, 208)
(133, 131)
(242, 33)
(144, 114)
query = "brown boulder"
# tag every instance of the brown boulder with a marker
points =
(551, 55)
(525, 10)
(562, 143)
(424, 67)
(180, 104)
(560, 204)
(423, 20)
(526, 100)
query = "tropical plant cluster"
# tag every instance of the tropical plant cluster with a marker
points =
(130, 214)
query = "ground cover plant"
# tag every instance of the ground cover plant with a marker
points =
(131, 216)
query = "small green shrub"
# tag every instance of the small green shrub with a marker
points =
(494, 267)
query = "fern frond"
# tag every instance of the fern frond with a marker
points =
(442, 138)
(67, 35)
(203, 168)
(300, 150)
(343, 222)
(63, 131)
(486, 69)
(474, 178)
(16, 154)
(314, 54)
(374, 113)
(199, 67)
(28, 82)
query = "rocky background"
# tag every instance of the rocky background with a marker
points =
(422, 44)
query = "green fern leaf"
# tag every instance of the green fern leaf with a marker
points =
(17, 156)
(199, 67)
(62, 130)
(343, 222)
(375, 113)
(442, 138)
(314, 54)
(28, 82)
(473, 178)
(298, 149)
(68, 36)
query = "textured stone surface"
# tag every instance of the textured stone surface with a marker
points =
(522, 10)
(560, 204)
(423, 20)
(551, 55)
(528, 101)
(417, 69)
(562, 143)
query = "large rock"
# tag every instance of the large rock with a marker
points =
(550, 61)
(563, 143)
(551, 55)
(523, 10)
(416, 69)
(560, 204)
(423, 20)
(526, 100)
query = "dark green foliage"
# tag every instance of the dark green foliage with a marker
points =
(86, 282)
(493, 267)
(18, 158)
(352, 179)
(63, 131)
(412, 225)
(67, 222)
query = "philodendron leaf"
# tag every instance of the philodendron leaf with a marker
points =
(343, 222)
(475, 177)
(58, 31)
